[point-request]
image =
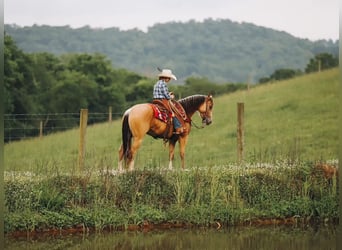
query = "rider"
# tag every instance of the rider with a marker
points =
(161, 92)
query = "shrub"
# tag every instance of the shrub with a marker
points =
(144, 187)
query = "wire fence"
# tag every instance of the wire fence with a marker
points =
(20, 126)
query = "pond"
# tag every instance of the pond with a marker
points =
(236, 238)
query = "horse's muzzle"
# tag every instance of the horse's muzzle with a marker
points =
(207, 121)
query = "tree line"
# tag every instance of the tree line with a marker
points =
(319, 62)
(221, 50)
(44, 83)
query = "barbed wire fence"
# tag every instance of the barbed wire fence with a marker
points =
(21, 126)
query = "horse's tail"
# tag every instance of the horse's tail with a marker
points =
(126, 138)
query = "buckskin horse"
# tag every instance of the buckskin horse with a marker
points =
(140, 120)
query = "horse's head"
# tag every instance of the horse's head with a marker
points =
(206, 110)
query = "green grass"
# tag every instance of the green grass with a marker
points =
(199, 197)
(293, 119)
(288, 126)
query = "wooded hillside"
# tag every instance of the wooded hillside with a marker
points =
(221, 50)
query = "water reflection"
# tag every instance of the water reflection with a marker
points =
(246, 238)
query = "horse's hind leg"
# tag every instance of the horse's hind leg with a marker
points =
(135, 146)
(121, 154)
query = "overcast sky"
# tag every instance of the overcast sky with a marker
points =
(312, 19)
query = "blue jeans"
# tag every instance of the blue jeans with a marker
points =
(176, 123)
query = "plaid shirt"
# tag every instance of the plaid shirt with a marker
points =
(161, 91)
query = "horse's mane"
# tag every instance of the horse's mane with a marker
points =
(191, 103)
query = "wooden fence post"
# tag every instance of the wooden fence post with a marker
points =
(41, 129)
(83, 130)
(240, 131)
(110, 115)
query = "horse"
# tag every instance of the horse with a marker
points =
(140, 120)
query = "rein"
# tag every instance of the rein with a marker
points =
(203, 117)
(192, 123)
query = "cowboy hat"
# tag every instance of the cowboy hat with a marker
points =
(167, 73)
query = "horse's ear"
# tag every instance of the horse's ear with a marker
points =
(210, 95)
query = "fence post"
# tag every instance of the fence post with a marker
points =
(110, 114)
(83, 130)
(41, 129)
(240, 131)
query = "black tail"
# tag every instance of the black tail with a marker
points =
(126, 138)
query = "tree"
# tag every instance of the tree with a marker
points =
(47, 70)
(282, 74)
(321, 62)
(18, 80)
(73, 92)
(96, 66)
(220, 50)
(140, 92)
(19, 90)
(264, 79)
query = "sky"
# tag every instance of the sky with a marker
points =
(311, 19)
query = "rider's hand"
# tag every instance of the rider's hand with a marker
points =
(172, 95)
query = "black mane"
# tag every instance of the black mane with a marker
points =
(191, 103)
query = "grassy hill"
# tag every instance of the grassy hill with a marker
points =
(288, 120)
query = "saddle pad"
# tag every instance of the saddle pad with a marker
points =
(158, 114)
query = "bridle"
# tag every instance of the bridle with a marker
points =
(206, 119)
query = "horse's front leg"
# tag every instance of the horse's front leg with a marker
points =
(183, 140)
(171, 153)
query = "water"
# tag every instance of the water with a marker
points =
(237, 238)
